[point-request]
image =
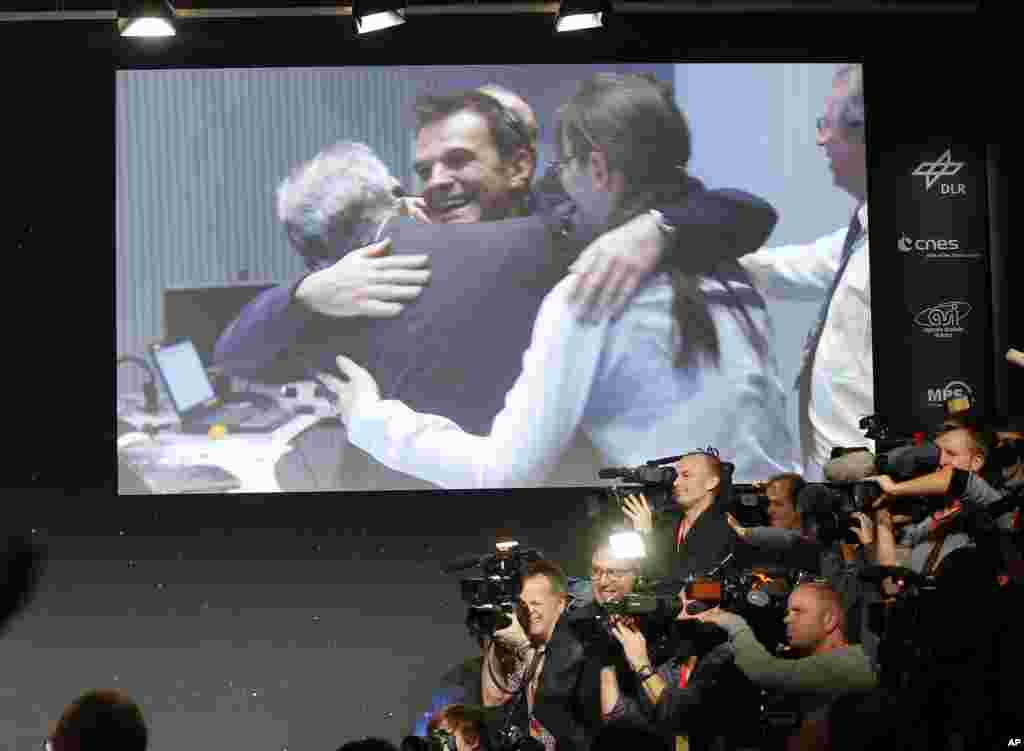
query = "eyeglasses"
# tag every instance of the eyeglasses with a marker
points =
(824, 124)
(615, 574)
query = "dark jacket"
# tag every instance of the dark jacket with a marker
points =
(559, 704)
(706, 545)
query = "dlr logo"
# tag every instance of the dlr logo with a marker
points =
(953, 190)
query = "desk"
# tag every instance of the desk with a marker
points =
(252, 457)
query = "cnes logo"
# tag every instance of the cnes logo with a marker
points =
(952, 390)
(934, 247)
(944, 320)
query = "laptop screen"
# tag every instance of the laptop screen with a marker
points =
(183, 374)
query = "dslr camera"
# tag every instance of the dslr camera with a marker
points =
(436, 740)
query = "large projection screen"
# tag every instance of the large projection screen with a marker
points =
(200, 152)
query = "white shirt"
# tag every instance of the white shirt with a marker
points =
(842, 381)
(615, 380)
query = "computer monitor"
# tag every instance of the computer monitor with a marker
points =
(202, 313)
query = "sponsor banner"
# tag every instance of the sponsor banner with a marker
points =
(930, 280)
(946, 320)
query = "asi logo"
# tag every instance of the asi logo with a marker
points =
(945, 320)
(952, 390)
(944, 166)
(934, 247)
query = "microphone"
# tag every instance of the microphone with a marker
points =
(610, 473)
(1015, 356)
(462, 563)
(851, 467)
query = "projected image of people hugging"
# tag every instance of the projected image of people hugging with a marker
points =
(691, 353)
(527, 282)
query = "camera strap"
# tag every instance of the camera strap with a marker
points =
(941, 523)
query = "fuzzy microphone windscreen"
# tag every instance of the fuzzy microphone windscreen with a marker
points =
(851, 467)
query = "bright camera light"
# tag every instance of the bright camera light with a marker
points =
(627, 545)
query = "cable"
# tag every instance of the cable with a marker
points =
(149, 390)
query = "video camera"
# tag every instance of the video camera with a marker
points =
(652, 611)
(493, 599)
(749, 505)
(827, 509)
(738, 590)
(760, 595)
(652, 478)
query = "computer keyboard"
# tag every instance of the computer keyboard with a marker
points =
(195, 478)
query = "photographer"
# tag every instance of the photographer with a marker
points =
(610, 690)
(964, 551)
(826, 665)
(782, 492)
(702, 538)
(532, 667)
(465, 724)
(696, 692)
(962, 455)
(821, 545)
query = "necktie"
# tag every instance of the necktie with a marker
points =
(853, 234)
(803, 379)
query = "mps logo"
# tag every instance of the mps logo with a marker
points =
(945, 320)
(933, 172)
(953, 390)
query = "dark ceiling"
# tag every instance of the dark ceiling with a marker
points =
(15, 10)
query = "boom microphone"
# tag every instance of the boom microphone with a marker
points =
(610, 473)
(462, 563)
(851, 467)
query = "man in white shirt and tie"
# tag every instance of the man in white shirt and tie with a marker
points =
(836, 380)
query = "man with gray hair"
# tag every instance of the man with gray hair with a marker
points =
(836, 380)
(342, 198)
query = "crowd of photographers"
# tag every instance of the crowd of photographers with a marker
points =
(874, 609)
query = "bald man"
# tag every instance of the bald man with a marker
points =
(828, 666)
(702, 537)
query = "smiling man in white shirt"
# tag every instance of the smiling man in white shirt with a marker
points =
(836, 381)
